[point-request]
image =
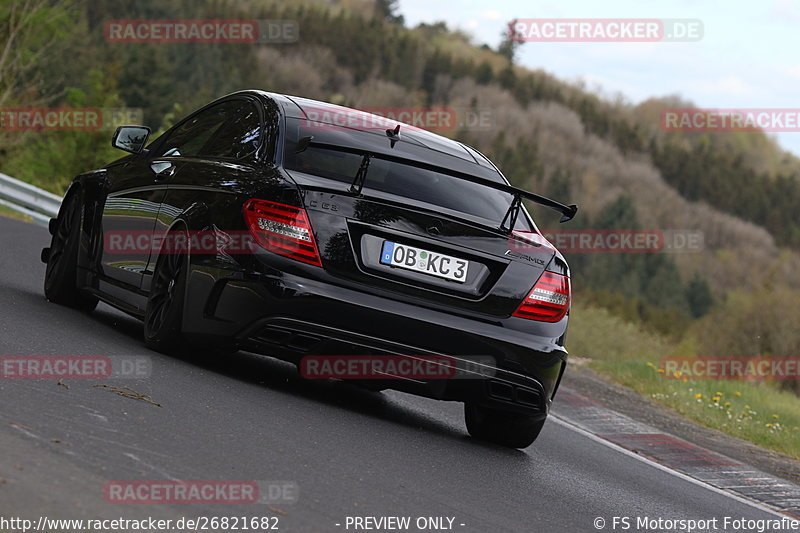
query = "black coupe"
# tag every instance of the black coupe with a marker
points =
(263, 222)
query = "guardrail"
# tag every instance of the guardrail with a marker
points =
(23, 197)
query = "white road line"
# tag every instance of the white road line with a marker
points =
(21, 429)
(151, 467)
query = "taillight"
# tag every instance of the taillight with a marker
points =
(548, 301)
(282, 229)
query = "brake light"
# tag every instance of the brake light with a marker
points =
(282, 229)
(548, 301)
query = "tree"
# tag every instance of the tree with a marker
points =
(29, 30)
(484, 74)
(699, 297)
(511, 41)
(387, 9)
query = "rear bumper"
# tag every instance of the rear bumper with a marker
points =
(476, 378)
(290, 317)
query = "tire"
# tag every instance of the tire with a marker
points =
(164, 312)
(61, 273)
(512, 430)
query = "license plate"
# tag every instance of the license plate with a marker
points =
(425, 261)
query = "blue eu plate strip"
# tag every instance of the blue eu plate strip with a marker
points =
(387, 253)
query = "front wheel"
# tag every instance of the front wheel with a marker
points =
(61, 273)
(512, 430)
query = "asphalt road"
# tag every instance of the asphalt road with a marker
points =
(350, 452)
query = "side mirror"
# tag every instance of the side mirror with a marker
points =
(131, 138)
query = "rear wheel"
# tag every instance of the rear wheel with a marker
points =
(61, 274)
(164, 312)
(501, 427)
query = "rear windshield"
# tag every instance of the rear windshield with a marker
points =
(407, 181)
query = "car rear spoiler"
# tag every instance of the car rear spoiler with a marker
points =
(510, 218)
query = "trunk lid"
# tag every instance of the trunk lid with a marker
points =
(354, 234)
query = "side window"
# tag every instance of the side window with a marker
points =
(240, 136)
(271, 127)
(189, 138)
